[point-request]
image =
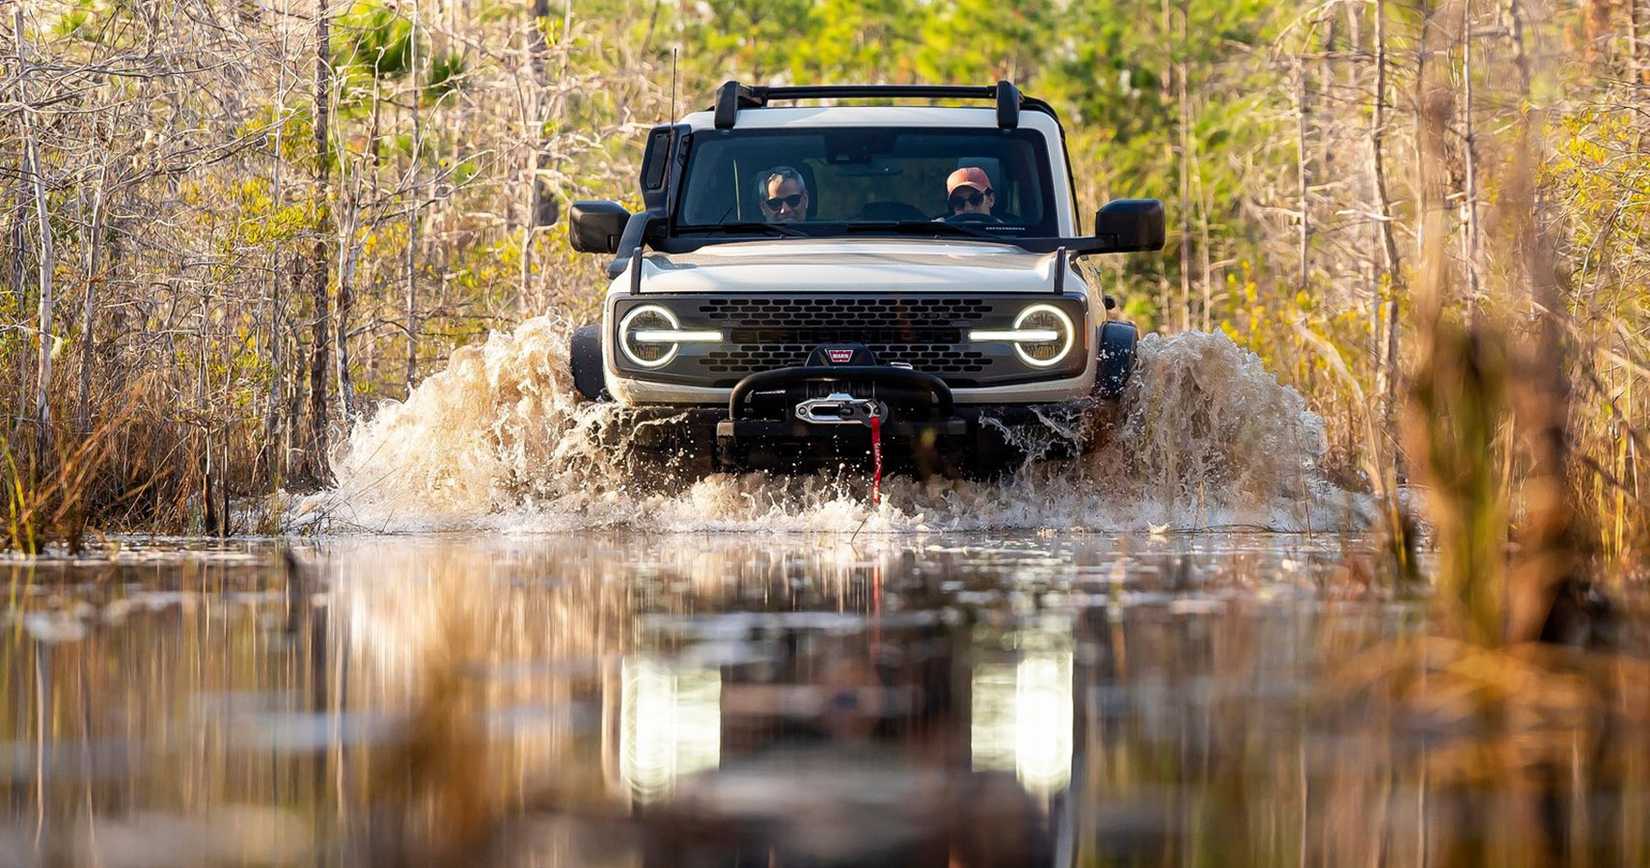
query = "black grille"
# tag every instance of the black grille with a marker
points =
(844, 313)
(816, 335)
(780, 332)
(939, 359)
(743, 358)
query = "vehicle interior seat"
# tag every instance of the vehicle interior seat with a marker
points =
(812, 184)
(892, 211)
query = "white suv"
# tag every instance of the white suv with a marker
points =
(805, 278)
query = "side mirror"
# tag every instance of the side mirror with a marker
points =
(1134, 224)
(595, 226)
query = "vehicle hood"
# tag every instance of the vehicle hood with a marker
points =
(793, 265)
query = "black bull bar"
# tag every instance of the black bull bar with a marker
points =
(923, 430)
(913, 386)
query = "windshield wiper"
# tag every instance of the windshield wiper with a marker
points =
(913, 227)
(779, 229)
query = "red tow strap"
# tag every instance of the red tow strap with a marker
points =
(876, 460)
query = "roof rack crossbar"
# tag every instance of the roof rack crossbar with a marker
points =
(733, 96)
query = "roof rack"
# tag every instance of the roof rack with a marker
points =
(733, 96)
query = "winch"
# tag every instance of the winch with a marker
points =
(841, 408)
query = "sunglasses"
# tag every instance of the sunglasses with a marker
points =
(794, 200)
(958, 200)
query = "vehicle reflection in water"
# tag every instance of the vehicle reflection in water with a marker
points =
(761, 701)
(672, 726)
(1022, 718)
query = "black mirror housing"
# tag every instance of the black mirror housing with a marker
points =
(1133, 224)
(595, 225)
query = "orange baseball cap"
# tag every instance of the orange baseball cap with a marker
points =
(968, 176)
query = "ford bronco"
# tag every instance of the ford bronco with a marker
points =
(808, 283)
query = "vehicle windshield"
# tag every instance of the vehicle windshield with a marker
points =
(989, 181)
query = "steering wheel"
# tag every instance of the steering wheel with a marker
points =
(972, 217)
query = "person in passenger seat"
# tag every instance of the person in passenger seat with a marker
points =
(968, 193)
(782, 195)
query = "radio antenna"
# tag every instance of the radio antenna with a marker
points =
(672, 118)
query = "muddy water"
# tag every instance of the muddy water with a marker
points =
(625, 700)
(1205, 438)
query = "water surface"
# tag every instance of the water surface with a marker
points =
(742, 700)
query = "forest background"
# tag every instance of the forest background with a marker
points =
(231, 228)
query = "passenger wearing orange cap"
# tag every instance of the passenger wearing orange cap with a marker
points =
(968, 192)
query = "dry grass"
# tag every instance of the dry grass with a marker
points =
(138, 465)
(49, 501)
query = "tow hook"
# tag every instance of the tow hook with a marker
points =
(841, 408)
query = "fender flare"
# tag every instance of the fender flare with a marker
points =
(584, 360)
(1114, 342)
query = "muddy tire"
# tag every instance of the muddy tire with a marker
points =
(585, 361)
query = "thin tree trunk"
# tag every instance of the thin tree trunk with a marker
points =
(316, 453)
(47, 258)
(272, 456)
(541, 206)
(538, 52)
(349, 251)
(1389, 242)
(1423, 45)
(1305, 231)
(88, 307)
(1185, 176)
(412, 289)
(1325, 157)
(209, 504)
(1434, 112)
(346, 301)
(19, 284)
(1205, 253)
(292, 433)
(1469, 148)
(414, 218)
(1638, 40)
(1166, 92)
(1521, 59)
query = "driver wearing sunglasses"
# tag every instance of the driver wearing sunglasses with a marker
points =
(968, 193)
(782, 195)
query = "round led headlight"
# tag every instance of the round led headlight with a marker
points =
(636, 325)
(1041, 320)
(650, 336)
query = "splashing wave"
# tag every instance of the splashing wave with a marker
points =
(499, 440)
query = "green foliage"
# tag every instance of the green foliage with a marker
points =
(985, 40)
(371, 41)
(747, 39)
(445, 77)
(850, 39)
(81, 21)
(290, 127)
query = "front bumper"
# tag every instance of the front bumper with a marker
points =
(923, 430)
